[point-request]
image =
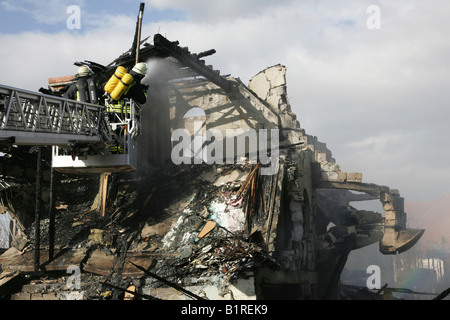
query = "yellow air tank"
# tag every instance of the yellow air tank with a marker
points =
(115, 78)
(123, 85)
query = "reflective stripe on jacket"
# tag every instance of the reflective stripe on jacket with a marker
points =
(118, 107)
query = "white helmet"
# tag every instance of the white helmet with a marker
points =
(140, 68)
(83, 71)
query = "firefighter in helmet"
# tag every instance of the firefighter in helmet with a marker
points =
(85, 89)
(135, 91)
(128, 88)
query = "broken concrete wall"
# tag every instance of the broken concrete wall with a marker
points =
(238, 114)
(288, 228)
(239, 109)
(270, 86)
(294, 233)
(293, 236)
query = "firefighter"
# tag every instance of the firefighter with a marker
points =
(135, 91)
(85, 89)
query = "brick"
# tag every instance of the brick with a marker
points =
(330, 176)
(354, 177)
(342, 176)
(387, 206)
(330, 166)
(390, 215)
(390, 223)
(321, 157)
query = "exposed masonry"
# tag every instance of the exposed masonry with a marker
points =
(294, 233)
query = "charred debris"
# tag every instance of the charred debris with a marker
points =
(195, 230)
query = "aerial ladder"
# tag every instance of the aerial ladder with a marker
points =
(81, 134)
(84, 136)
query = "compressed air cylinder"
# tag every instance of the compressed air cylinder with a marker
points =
(122, 86)
(82, 90)
(93, 93)
(115, 78)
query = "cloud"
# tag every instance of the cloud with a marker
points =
(46, 12)
(214, 11)
(409, 160)
(35, 56)
(378, 98)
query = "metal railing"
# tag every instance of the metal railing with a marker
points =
(27, 111)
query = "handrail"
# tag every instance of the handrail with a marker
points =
(23, 110)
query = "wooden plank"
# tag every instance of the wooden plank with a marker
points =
(206, 230)
(64, 259)
(14, 260)
(104, 191)
(131, 271)
(61, 80)
(128, 295)
(22, 262)
(99, 263)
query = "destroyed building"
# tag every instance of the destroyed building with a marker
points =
(234, 228)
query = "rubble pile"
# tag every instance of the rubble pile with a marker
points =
(197, 234)
(208, 236)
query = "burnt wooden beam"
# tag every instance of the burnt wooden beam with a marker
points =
(137, 36)
(167, 282)
(51, 213)
(127, 60)
(204, 53)
(186, 58)
(37, 213)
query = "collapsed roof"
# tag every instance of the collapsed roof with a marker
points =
(221, 230)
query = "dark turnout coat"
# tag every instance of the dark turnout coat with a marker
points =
(85, 90)
(137, 89)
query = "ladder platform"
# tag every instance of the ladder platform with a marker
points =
(93, 164)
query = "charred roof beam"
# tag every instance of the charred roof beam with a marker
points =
(186, 58)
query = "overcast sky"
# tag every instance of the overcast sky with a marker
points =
(376, 91)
